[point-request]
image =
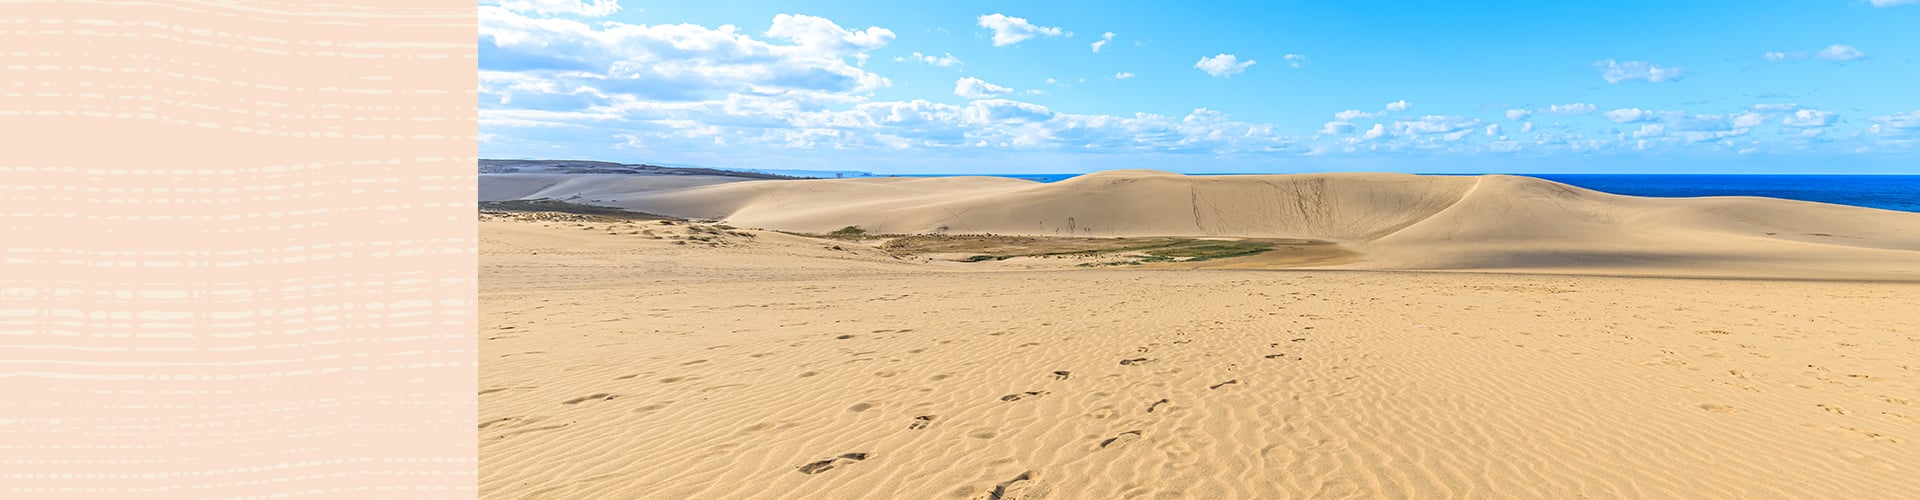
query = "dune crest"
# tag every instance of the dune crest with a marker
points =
(1399, 221)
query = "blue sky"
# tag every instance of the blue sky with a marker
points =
(1711, 86)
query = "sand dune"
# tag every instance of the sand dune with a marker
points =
(1397, 221)
(655, 360)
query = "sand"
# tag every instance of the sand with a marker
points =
(757, 364)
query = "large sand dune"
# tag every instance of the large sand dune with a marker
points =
(655, 360)
(1395, 221)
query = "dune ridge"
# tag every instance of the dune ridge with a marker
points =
(1398, 221)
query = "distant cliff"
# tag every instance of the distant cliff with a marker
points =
(605, 167)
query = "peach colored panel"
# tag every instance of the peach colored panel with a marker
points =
(239, 249)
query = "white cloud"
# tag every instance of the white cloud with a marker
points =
(1294, 60)
(1354, 114)
(584, 8)
(1616, 71)
(1436, 124)
(944, 61)
(1400, 105)
(823, 35)
(1122, 75)
(1336, 128)
(1571, 109)
(1905, 123)
(1223, 65)
(1376, 132)
(678, 62)
(1748, 120)
(1808, 118)
(975, 88)
(1650, 130)
(1628, 115)
(1840, 53)
(1783, 56)
(1009, 30)
(1493, 130)
(1526, 127)
(1518, 114)
(1102, 42)
(1890, 3)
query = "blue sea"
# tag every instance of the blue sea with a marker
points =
(1887, 192)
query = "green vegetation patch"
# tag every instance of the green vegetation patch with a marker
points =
(552, 205)
(995, 247)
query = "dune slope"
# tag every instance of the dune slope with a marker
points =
(654, 360)
(1397, 221)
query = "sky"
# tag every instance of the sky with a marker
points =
(1708, 86)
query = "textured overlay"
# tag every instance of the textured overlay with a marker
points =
(239, 249)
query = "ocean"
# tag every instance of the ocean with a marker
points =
(1886, 192)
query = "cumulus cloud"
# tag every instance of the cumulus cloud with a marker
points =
(1628, 115)
(1009, 30)
(1840, 53)
(679, 61)
(1376, 132)
(584, 8)
(1435, 124)
(1618, 71)
(1493, 130)
(1294, 60)
(1122, 75)
(823, 35)
(1808, 118)
(1336, 128)
(1571, 109)
(975, 88)
(1400, 105)
(1650, 130)
(1223, 65)
(1518, 114)
(1105, 38)
(1896, 126)
(944, 61)
(1782, 56)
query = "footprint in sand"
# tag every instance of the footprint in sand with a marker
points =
(1156, 404)
(1276, 356)
(1833, 408)
(594, 397)
(1120, 440)
(920, 422)
(1134, 361)
(1023, 395)
(1718, 408)
(1224, 384)
(1012, 488)
(829, 464)
(1061, 375)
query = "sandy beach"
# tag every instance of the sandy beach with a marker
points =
(1479, 337)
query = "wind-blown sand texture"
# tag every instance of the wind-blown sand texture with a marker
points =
(649, 359)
